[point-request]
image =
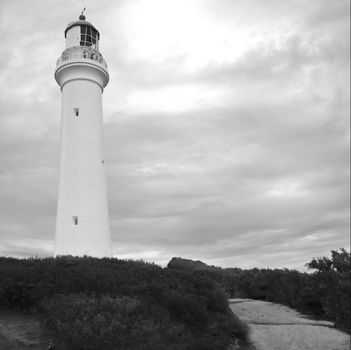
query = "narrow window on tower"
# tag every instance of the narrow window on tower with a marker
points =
(75, 220)
(76, 112)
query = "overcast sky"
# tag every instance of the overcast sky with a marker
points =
(226, 127)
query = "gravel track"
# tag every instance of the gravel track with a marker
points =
(277, 327)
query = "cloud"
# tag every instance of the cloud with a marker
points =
(217, 187)
(226, 137)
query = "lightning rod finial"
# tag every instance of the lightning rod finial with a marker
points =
(82, 17)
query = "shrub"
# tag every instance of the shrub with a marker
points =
(88, 298)
(324, 293)
(87, 322)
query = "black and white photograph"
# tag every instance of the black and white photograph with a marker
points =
(175, 175)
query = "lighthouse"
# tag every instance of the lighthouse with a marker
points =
(82, 222)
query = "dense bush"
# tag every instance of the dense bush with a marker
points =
(88, 322)
(324, 293)
(109, 303)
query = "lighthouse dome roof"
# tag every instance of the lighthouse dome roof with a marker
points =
(80, 22)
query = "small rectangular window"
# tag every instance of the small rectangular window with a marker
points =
(76, 112)
(75, 220)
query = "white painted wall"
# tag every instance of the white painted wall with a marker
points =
(82, 184)
(73, 37)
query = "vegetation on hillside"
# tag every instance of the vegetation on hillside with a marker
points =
(325, 293)
(90, 303)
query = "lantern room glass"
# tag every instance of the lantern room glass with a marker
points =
(89, 37)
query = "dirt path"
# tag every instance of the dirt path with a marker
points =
(277, 327)
(20, 332)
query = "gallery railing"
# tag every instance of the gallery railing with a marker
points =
(81, 52)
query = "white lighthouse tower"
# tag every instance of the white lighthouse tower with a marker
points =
(82, 224)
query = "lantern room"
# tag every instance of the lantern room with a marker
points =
(82, 33)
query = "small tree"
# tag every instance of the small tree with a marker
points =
(331, 283)
(340, 262)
